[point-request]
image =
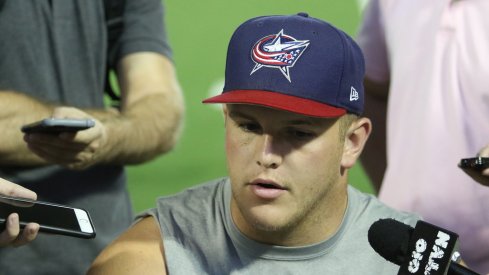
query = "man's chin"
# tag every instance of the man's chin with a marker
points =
(270, 221)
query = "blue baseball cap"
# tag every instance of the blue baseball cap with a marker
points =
(295, 63)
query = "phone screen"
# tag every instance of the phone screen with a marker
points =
(54, 218)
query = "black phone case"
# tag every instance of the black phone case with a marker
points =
(477, 163)
(54, 230)
(47, 228)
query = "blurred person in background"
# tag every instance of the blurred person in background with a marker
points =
(53, 60)
(427, 72)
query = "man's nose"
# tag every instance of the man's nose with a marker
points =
(269, 155)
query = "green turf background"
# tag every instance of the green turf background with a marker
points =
(199, 32)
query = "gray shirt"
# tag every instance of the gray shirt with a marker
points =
(201, 238)
(54, 50)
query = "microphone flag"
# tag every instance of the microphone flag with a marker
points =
(431, 248)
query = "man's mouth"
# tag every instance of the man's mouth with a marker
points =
(269, 185)
(266, 189)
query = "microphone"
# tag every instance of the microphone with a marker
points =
(426, 249)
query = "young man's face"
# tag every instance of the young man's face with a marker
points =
(285, 172)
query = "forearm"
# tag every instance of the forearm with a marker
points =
(150, 127)
(150, 119)
(17, 109)
(147, 124)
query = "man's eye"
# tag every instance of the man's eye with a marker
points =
(249, 127)
(301, 134)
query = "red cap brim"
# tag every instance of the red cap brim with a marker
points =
(278, 101)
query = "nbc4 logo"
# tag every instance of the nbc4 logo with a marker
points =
(353, 94)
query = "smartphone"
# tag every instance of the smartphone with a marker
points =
(52, 218)
(58, 125)
(477, 163)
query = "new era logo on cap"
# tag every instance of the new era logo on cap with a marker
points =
(353, 94)
(294, 63)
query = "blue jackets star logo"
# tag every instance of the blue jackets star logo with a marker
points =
(278, 51)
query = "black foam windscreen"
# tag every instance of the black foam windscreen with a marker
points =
(390, 238)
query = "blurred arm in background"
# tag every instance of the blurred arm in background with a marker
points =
(147, 125)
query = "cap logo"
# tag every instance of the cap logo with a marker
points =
(278, 51)
(353, 94)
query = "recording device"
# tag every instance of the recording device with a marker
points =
(426, 249)
(58, 125)
(52, 218)
(477, 163)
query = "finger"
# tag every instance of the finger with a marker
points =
(29, 233)
(74, 161)
(55, 156)
(14, 190)
(54, 141)
(484, 152)
(485, 172)
(83, 136)
(69, 112)
(477, 176)
(67, 136)
(57, 150)
(11, 231)
(64, 147)
(59, 146)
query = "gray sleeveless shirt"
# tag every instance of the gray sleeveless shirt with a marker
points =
(201, 238)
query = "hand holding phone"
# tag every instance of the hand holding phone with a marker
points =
(52, 218)
(65, 142)
(11, 235)
(58, 125)
(475, 167)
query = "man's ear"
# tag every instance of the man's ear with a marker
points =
(225, 113)
(355, 139)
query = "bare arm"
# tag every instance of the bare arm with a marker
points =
(17, 109)
(374, 158)
(151, 112)
(148, 124)
(139, 250)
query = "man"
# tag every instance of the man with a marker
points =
(12, 235)
(428, 58)
(293, 96)
(53, 65)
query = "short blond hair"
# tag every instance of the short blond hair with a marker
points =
(345, 122)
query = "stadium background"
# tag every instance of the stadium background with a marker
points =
(199, 32)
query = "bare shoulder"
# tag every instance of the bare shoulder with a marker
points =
(139, 250)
